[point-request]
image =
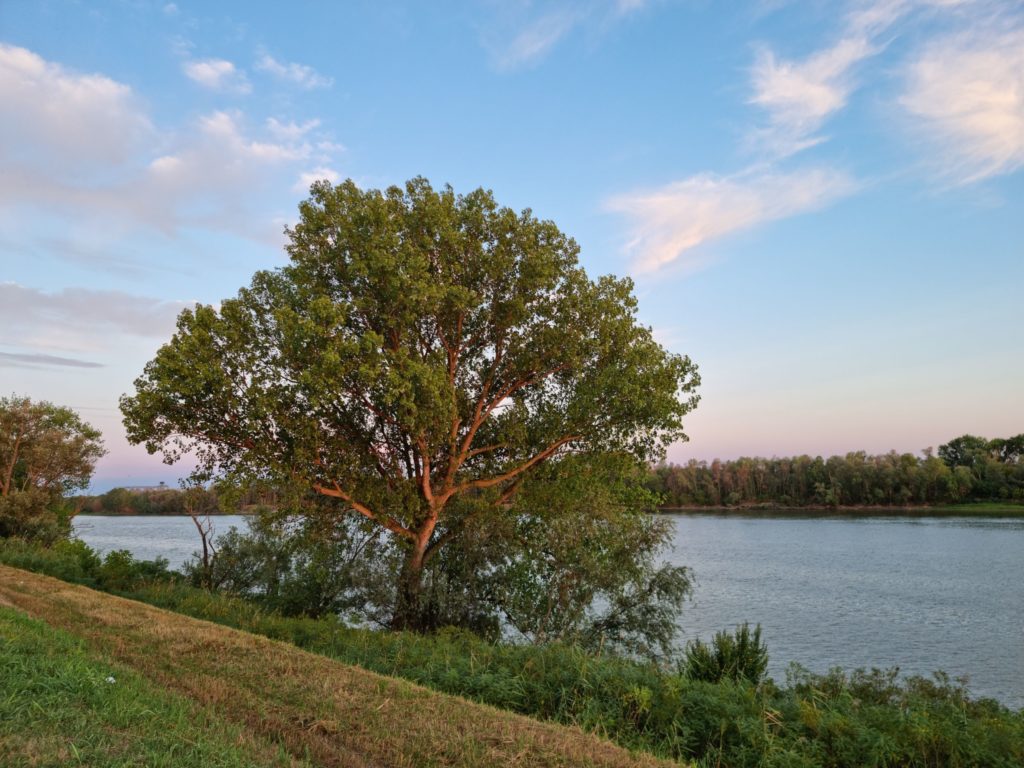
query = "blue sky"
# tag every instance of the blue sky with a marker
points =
(822, 203)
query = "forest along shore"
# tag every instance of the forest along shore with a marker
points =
(977, 509)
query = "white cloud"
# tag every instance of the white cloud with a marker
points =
(80, 319)
(301, 75)
(218, 75)
(307, 178)
(57, 118)
(966, 93)
(224, 129)
(79, 150)
(171, 9)
(673, 220)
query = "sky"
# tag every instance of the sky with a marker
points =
(821, 202)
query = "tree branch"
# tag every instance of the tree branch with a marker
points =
(489, 482)
(386, 520)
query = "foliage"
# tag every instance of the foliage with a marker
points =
(572, 559)
(964, 451)
(966, 469)
(45, 452)
(420, 356)
(578, 561)
(838, 719)
(740, 656)
(74, 561)
(312, 565)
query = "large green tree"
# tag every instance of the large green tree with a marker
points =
(46, 451)
(422, 353)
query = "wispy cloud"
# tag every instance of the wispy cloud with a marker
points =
(218, 75)
(522, 35)
(966, 94)
(290, 130)
(630, 6)
(671, 221)
(799, 96)
(36, 360)
(536, 40)
(79, 319)
(303, 76)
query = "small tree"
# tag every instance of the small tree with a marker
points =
(422, 350)
(46, 451)
(200, 504)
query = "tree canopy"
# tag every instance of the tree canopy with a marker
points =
(422, 353)
(46, 451)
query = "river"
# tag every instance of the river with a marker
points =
(914, 592)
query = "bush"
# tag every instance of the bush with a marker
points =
(739, 656)
(34, 515)
(121, 572)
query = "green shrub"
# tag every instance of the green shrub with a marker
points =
(121, 572)
(737, 656)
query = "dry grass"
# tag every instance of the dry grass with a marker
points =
(334, 714)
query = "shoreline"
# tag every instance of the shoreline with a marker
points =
(978, 509)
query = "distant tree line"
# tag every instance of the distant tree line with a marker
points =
(172, 501)
(968, 468)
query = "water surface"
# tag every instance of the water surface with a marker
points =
(150, 536)
(914, 592)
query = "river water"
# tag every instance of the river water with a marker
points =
(914, 592)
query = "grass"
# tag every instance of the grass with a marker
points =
(305, 706)
(60, 705)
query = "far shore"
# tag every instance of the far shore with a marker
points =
(972, 509)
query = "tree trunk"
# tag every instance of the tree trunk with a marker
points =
(411, 610)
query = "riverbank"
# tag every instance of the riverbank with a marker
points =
(838, 719)
(281, 705)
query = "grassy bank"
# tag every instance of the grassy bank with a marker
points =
(834, 720)
(61, 704)
(306, 706)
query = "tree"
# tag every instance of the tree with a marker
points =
(421, 351)
(45, 452)
(964, 451)
(1008, 450)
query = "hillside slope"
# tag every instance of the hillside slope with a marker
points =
(311, 706)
